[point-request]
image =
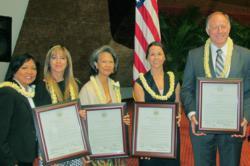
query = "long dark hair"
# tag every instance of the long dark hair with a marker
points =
(155, 43)
(16, 62)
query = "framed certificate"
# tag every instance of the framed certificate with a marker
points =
(106, 130)
(155, 130)
(219, 105)
(60, 131)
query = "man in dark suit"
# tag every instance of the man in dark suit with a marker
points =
(234, 62)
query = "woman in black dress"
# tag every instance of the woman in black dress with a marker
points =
(18, 145)
(158, 86)
(58, 84)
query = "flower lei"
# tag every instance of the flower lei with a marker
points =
(116, 86)
(102, 98)
(152, 93)
(18, 89)
(53, 95)
(227, 61)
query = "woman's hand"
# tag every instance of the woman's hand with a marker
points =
(83, 114)
(178, 118)
(126, 119)
(86, 160)
(40, 162)
(145, 158)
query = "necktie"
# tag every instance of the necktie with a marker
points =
(219, 65)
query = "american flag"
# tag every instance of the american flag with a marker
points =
(147, 29)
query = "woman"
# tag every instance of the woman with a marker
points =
(18, 145)
(59, 83)
(101, 89)
(154, 85)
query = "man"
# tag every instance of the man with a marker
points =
(202, 62)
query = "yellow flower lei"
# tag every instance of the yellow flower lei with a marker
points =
(17, 88)
(53, 95)
(152, 93)
(71, 92)
(227, 61)
(102, 98)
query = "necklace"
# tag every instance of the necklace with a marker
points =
(152, 93)
(18, 89)
(227, 61)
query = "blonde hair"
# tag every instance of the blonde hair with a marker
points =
(68, 76)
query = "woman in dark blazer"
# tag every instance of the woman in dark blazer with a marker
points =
(18, 145)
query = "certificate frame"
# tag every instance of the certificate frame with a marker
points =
(40, 114)
(119, 111)
(218, 86)
(171, 151)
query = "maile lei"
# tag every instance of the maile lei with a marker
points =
(152, 93)
(115, 85)
(227, 61)
(54, 97)
(19, 89)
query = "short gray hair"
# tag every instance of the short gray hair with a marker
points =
(217, 12)
(95, 55)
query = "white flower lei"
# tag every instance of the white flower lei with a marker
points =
(18, 89)
(227, 61)
(152, 93)
(116, 86)
(53, 95)
(102, 98)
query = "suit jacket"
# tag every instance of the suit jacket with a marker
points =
(17, 131)
(240, 68)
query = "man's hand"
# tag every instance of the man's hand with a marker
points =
(194, 123)
(244, 126)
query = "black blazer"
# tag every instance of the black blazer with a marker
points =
(17, 131)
